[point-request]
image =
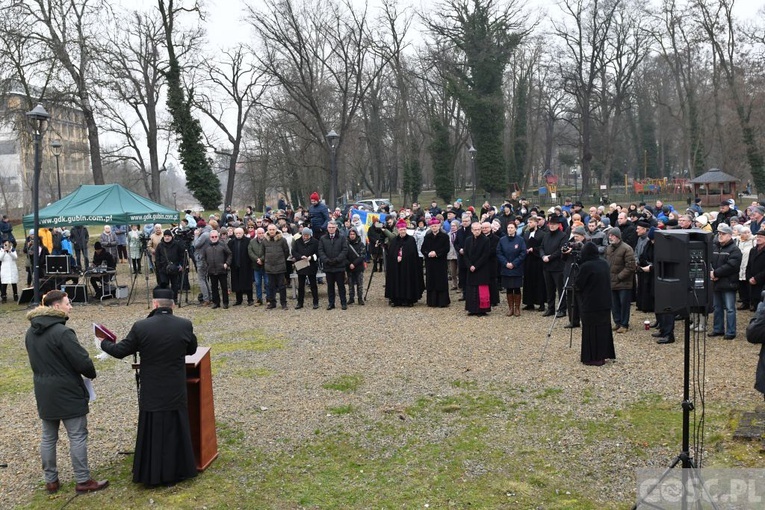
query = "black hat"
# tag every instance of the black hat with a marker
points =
(726, 202)
(97, 246)
(160, 293)
(578, 203)
(553, 218)
(167, 232)
(643, 223)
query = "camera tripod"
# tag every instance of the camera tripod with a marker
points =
(574, 269)
(144, 257)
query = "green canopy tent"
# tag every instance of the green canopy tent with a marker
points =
(108, 204)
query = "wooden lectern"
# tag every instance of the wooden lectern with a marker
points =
(201, 407)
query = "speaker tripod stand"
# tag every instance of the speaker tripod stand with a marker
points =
(690, 469)
(144, 258)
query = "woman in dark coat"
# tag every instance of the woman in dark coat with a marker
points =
(533, 279)
(478, 258)
(403, 273)
(511, 253)
(435, 248)
(593, 286)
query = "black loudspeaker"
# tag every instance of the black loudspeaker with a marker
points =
(57, 264)
(681, 270)
(26, 295)
(76, 293)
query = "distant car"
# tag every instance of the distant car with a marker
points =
(374, 204)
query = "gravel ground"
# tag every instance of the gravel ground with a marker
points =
(403, 354)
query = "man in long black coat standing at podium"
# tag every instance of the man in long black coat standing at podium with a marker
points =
(163, 450)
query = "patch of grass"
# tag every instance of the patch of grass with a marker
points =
(252, 340)
(16, 379)
(465, 385)
(549, 392)
(345, 383)
(340, 410)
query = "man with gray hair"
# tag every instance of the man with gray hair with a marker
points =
(202, 240)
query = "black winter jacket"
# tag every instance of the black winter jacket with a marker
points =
(58, 363)
(726, 262)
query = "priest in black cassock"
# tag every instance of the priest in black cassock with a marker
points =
(435, 248)
(477, 260)
(533, 278)
(592, 286)
(403, 273)
(163, 451)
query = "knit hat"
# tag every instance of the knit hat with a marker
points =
(580, 231)
(307, 231)
(702, 220)
(167, 232)
(724, 228)
(314, 196)
(616, 232)
(401, 224)
(434, 221)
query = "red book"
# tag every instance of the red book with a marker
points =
(103, 333)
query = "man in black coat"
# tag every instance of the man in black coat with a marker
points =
(101, 257)
(241, 267)
(59, 364)
(459, 245)
(755, 334)
(550, 251)
(163, 452)
(403, 271)
(333, 252)
(306, 249)
(755, 269)
(168, 259)
(478, 259)
(435, 248)
(725, 262)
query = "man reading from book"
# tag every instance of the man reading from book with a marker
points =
(163, 451)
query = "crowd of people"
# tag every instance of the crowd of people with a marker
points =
(589, 267)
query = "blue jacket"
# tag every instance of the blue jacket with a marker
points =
(513, 250)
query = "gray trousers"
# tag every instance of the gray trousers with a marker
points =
(204, 285)
(77, 430)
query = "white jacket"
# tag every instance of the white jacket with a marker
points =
(9, 271)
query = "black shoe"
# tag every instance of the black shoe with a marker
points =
(5, 299)
(330, 307)
(284, 306)
(654, 324)
(316, 306)
(657, 334)
(213, 307)
(298, 306)
(259, 302)
(729, 337)
(360, 303)
(344, 307)
(743, 307)
(528, 307)
(560, 315)
(713, 334)
(250, 303)
(237, 303)
(542, 308)
(666, 340)
(271, 306)
(225, 307)
(548, 312)
(571, 326)
(350, 301)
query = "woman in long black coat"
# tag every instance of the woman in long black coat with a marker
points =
(403, 272)
(533, 279)
(593, 286)
(435, 248)
(478, 258)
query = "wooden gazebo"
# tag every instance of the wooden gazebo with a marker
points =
(717, 186)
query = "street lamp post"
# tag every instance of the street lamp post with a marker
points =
(38, 118)
(575, 173)
(175, 204)
(332, 139)
(55, 146)
(472, 150)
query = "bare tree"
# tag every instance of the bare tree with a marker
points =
(134, 77)
(717, 20)
(321, 55)
(68, 28)
(234, 88)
